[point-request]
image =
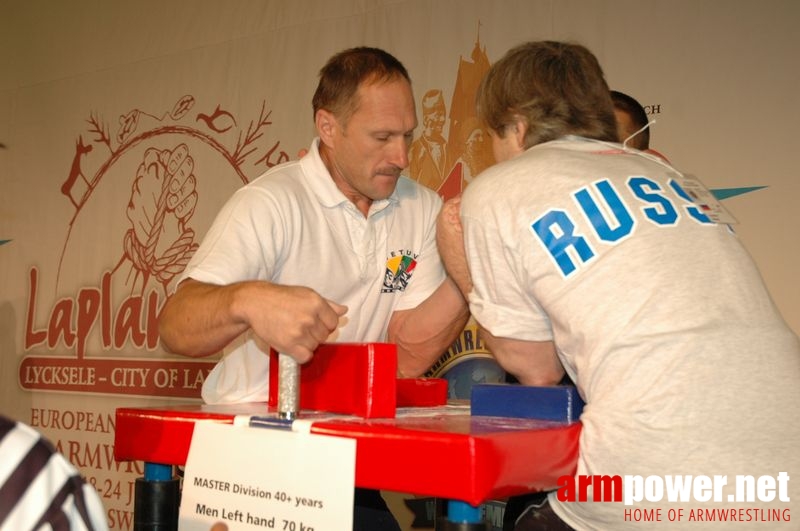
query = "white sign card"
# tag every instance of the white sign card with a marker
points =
(259, 479)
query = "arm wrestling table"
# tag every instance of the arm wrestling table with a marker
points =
(444, 451)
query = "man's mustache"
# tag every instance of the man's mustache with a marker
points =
(394, 171)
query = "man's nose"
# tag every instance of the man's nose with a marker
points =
(399, 153)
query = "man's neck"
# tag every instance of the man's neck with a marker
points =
(361, 202)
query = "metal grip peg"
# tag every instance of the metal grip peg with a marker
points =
(288, 387)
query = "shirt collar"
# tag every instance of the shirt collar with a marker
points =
(321, 183)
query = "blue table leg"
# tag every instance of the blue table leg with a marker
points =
(157, 472)
(156, 499)
(462, 516)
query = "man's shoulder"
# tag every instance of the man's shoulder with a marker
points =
(408, 189)
(494, 187)
(286, 174)
(278, 187)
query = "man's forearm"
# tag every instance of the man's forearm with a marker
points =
(531, 362)
(423, 333)
(198, 320)
(455, 262)
(450, 242)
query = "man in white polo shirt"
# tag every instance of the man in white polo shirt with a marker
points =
(335, 247)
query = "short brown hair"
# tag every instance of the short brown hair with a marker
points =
(628, 104)
(344, 73)
(558, 88)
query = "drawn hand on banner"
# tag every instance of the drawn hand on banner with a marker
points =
(162, 202)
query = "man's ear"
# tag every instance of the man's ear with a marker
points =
(326, 125)
(520, 130)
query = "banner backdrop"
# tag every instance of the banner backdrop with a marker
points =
(102, 104)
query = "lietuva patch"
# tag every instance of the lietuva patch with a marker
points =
(399, 268)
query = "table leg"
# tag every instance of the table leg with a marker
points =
(156, 499)
(462, 516)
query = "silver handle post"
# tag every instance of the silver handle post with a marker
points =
(288, 387)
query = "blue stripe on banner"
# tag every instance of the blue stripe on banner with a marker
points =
(725, 193)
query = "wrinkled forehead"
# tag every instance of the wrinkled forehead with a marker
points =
(385, 101)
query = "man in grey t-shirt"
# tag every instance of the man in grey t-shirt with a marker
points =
(583, 257)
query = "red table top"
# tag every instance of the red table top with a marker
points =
(431, 451)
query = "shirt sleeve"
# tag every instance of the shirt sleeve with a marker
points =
(234, 247)
(501, 301)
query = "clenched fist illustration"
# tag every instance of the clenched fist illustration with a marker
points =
(163, 199)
